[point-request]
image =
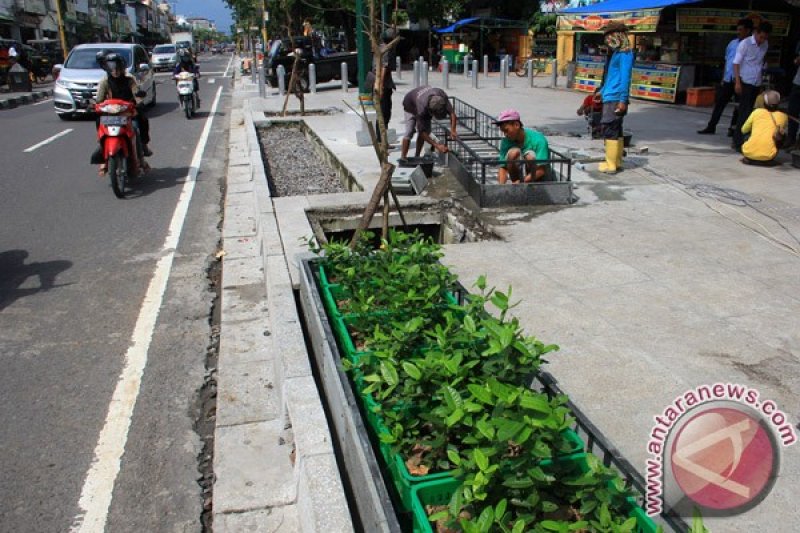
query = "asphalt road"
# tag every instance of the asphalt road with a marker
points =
(75, 264)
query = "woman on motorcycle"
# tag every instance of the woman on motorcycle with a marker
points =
(122, 86)
(187, 64)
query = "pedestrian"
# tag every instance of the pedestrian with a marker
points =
(794, 102)
(521, 144)
(766, 128)
(615, 94)
(421, 106)
(725, 91)
(748, 66)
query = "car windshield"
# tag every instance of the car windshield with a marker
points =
(164, 49)
(86, 58)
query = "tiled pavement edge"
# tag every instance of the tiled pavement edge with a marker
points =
(11, 100)
(274, 463)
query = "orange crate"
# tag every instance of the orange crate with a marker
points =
(700, 96)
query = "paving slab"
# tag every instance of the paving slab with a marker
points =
(282, 519)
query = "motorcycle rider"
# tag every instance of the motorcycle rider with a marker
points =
(120, 85)
(187, 64)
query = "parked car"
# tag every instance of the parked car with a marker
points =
(216, 49)
(164, 57)
(327, 62)
(79, 76)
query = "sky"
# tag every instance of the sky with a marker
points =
(215, 10)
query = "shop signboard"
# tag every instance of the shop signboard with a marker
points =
(589, 72)
(642, 21)
(656, 81)
(724, 20)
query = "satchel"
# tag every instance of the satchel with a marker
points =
(779, 136)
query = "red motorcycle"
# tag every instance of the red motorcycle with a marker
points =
(118, 142)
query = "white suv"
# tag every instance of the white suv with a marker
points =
(80, 75)
(164, 56)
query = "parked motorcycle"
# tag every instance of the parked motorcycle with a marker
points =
(117, 139)
(184, 83)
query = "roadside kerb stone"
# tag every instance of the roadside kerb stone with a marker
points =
(273, 520)
(239, 247)
(246, 392)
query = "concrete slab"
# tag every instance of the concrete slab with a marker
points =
(308, 417)
(284, 519)
(245, 341)
(246, 393)
(241, 247)
(252, 468)
(322, 505)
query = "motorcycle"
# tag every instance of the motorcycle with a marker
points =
(184, 83)
(117, 139)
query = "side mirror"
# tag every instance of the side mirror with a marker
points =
(144, 67)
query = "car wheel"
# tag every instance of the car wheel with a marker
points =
(64, 116)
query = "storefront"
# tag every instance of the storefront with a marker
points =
(678, 44)
(479, 36)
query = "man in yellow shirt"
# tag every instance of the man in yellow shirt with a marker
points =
(760, 148)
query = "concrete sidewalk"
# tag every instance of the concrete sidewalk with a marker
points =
(9, 100)
(678, 272)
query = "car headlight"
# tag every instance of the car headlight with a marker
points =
(62, 83)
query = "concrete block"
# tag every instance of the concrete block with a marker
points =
(243, 271)
(245, 341)
(239, 224)
(246, 393)
(252, 467)
(270, 236)
(237, 188)
(284, 519)
(240, 173)
(243, 302)
(310, 428)
(321, 503)
(241, 247)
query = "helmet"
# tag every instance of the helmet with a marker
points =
(185, 55)
(113, 58)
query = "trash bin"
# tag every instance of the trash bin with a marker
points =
(18, 79)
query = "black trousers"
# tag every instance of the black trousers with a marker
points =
(746, 102)
(794, 111)
(725, 92)
(386, 110)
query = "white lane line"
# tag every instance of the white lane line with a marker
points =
(47, 141)
(45, 101)
(212, 80)
(230, 62)
(99, 485)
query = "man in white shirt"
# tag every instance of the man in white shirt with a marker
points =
(748, 66)
(725, 90)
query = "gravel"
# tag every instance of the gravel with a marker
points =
(293, 168)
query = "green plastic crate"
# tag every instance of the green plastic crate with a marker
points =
(439, 493)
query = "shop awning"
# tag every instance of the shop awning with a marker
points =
(483, 22)
(614, 6)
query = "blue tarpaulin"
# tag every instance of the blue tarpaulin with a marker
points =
(483, 22)
(613, 6)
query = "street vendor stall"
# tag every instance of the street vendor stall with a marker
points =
(479, 36)
(679, 44)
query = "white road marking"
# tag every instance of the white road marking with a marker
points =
(47, 141)
(230, 62)
(45, 101)
(212, 80)
(99, 485)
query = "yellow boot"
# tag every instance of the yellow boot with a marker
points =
(621, 152)
(613, 155)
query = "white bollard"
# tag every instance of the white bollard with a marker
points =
(281, 73)
(530, 72)
(423, 78)
(475, 74)
(399, 69)
(415, 77)
(445, 74)
(312, 78)
(344, 77)
(503, 72)
(485, 66)
(466, 66)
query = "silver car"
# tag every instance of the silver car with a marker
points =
(79, 76)
(164, 57)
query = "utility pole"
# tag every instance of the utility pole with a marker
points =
(61, 33)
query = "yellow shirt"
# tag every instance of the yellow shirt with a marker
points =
(760, 146)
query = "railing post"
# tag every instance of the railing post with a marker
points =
(281, 73)
(485, 66)
(554, 79)
(399, 69)
(344, 77)
(475, 74)
(312, 78)
(530, 72)
(445, 74)
(466, 66)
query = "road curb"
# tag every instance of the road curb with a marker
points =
(24, 99)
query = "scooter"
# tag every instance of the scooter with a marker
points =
(117, 139)
(184, 83)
